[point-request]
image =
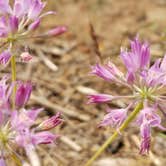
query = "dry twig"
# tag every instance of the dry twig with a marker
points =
(71, 143)
(43, 101)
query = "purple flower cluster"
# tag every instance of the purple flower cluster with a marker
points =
(17, 21)
(146, 84)
(18, 127)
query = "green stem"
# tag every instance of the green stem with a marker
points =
(113, 137)
(13, 68)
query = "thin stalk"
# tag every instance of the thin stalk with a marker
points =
(116, 133)
(33, 158)
(13, 68)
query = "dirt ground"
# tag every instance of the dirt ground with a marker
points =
(60, 73)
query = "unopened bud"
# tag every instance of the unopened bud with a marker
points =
(34, 25)
(51, 122)
(26, 57)
(56, 31)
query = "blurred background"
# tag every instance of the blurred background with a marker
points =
(60, 72)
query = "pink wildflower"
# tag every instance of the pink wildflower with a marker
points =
(19, 126)
(17, 21)
(146, 84)
(26, 137)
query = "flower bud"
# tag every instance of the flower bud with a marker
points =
(56, 31)
(51, 122)
(100, 98)
(26, 57)
(34, 25)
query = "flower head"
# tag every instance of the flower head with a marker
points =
(146, 84)
(19, 20)
(25, 137)
(19, 127)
